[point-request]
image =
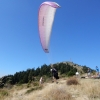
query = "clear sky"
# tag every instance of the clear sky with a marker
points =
(75, 34)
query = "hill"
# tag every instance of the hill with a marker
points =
(64, 68)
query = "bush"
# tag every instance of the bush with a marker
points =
(36, 83)
(3, 94)
(72, 81)
(28, 85)
(33, 89)
(70, 73)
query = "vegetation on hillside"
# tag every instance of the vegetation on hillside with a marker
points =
(33, 74)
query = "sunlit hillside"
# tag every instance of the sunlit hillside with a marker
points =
(23, 86)
(86, 89)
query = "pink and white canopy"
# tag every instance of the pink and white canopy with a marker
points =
(45, 21)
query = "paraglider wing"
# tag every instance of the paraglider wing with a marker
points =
(45, 21)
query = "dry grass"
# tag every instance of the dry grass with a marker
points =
(3, 93)
(52, 92)
(89, 89)
(57, 93)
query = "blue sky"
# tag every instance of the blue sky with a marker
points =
(75, 34)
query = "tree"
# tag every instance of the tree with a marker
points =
(37, 71)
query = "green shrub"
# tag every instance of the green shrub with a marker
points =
(36, 83)
(3, 93)
(33, 89)
(70, 73)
